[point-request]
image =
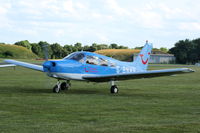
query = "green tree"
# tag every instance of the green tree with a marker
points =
(78, 46)
(24, 43)
(45, 47)
(138, 47)
(102, 46)
(184, 51)
(197, 48)
(122, 47)
(94, 47)
(86, 48)
(165, 50)
(36, 49)
(7, 54)
(67, 50)
(113, 46)
(57, 51)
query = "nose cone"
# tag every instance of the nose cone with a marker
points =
(47, 64)
(50, 66)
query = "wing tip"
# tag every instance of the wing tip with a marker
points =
(188, 70)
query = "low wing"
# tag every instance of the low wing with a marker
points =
(8, 65)
(24, 64)
(137, 75)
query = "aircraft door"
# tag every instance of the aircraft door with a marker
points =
(91, 65)
(95, 65)
(104, 66)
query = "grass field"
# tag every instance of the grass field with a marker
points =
(157, 105)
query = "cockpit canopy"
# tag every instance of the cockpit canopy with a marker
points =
(90, 59)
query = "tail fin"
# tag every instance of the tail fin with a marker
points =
(142, 60)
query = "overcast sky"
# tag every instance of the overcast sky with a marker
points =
(125, 22)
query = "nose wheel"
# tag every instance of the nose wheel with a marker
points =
(61, 86)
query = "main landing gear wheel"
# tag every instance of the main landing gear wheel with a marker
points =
(65, 85)
(56, 89)
(114, 89)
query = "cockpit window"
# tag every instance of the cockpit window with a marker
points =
(92, 60)
(69, 55)
(76, 56)
(103, 62)
(112, 64)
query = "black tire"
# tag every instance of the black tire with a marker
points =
(114, 89)
(56, 89)
(64, 86)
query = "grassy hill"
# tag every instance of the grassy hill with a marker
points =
(124, 54)
(120, 54)
(14, 51)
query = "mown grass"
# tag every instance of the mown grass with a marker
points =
(157, 105)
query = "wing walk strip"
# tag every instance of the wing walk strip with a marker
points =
(24, 64)
(137, 75)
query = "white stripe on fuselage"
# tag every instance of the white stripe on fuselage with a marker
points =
(68, 76)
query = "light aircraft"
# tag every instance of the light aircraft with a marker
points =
(92, 67)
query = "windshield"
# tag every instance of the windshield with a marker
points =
(75, 56)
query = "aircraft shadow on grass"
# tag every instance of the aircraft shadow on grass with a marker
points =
(9, 90)
(136, 95)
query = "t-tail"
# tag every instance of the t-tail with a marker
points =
(142, 60)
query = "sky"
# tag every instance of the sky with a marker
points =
(125, 22)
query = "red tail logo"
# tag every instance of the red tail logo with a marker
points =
(144, 62)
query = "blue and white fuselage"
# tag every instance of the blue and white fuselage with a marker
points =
(73, 67)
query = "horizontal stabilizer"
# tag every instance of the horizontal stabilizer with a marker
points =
(24, 64)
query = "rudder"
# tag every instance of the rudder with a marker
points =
(142, 60)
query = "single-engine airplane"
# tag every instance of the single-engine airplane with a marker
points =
(92, 67)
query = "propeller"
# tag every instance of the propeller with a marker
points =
(46, 52)
(47, 66)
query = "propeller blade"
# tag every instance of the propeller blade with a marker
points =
(46, 52)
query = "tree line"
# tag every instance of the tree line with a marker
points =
(56, 51)
(187, 51)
